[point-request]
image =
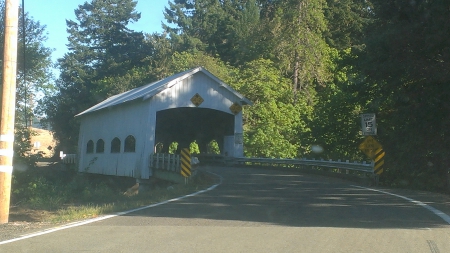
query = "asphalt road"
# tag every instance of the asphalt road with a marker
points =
(256, 210)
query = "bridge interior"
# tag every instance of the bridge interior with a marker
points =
(184, 125)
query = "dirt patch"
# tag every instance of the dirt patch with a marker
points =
(24, 221)
(20, 214)
(43, 142)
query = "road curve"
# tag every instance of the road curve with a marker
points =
(258, 210)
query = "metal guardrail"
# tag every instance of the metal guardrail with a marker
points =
(211, 158)
(363, 166)
(352, 166)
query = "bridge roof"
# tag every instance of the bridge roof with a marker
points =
(147, 91)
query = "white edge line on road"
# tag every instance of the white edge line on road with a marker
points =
(437, 212)
(80, 223)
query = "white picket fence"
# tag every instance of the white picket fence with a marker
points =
(68, 158)
(170, 162)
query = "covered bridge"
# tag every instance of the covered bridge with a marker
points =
(118, 135)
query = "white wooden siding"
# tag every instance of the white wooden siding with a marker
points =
(132, 119)
(138, 118)
(180, 95)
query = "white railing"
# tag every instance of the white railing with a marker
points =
(68, 158)
(170, 162)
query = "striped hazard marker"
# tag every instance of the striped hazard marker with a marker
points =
(379, 161)
(185, 162)
(373, 149)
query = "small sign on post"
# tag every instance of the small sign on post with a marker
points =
(368, 124)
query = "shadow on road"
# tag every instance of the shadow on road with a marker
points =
(259, 196)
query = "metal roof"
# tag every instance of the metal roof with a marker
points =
(149, 90)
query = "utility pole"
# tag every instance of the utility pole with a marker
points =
(8, 102)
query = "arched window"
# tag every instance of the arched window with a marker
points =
(100, 146)
(115, 145)
(159, 147)
(130, 144)
(90, 147)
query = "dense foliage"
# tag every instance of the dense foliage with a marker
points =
(311, 67)
(33, 77)
(104, 58)
(406, 64)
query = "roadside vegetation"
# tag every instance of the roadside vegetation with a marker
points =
(310, 67)
(60, 194)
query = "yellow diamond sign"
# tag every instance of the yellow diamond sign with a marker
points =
(197, 99)
(370, 146)
(235, 108)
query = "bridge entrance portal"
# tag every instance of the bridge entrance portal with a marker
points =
(184, 125)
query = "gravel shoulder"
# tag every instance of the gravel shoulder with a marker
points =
(25, 221)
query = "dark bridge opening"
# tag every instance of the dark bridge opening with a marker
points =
(185, 125)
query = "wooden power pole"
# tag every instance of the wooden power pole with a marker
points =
(8, 102)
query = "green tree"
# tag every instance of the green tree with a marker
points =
(173, 147)
(405, 65)
(301, 50)
(226, 29)
(274, 123)
(103, 54)
(346, 21)
(213, 147)
(33, 64)
(33, 77)
(193, 148)
(162, 55)
(185, 60)
(336, 124)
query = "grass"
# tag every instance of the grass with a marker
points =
(65, 196)
(45, 139)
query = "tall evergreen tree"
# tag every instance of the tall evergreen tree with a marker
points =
(299, 27)
(33, 77)
(101, 49)
(219, 28)
(406, 63)
(347, 20)
(33, 64)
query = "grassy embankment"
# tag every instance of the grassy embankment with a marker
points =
(62, 195)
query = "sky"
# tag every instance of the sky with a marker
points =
(53, 14)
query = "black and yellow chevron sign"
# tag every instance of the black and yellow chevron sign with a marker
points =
(185, 162)
(379, 161)
(373, 149)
